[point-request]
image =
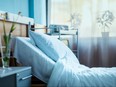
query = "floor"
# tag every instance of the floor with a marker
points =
(37, 83)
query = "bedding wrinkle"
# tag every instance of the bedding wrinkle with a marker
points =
(77, 75)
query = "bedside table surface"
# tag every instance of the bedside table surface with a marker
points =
(11, 70)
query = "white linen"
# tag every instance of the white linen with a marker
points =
(51, 46)
(66, 73)
(29, 55)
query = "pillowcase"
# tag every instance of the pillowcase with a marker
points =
(51, 46)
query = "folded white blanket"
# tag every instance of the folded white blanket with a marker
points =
(70, 74)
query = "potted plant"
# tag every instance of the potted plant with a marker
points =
(75, 19)
(7, 39)
(105, 21)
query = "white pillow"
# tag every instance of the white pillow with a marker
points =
(51, 46)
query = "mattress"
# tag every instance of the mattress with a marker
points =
(28, 54)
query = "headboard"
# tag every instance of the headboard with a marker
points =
(21, 23)
(37, 28)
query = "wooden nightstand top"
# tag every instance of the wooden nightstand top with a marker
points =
(11, 70)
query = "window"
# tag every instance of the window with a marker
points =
(64, 12)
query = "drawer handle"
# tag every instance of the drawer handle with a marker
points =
(24, 78)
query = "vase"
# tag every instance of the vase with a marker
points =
(5, 60)
(105, 34)
(6, 57)
(6, 54)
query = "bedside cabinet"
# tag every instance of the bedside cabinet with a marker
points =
(15, 77)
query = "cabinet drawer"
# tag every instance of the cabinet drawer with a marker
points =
(24, 78)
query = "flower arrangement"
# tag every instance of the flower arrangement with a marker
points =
(6, 39)
(75, 20)
(105, 20)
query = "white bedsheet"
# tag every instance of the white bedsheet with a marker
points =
(29, 55)
(70, 74)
